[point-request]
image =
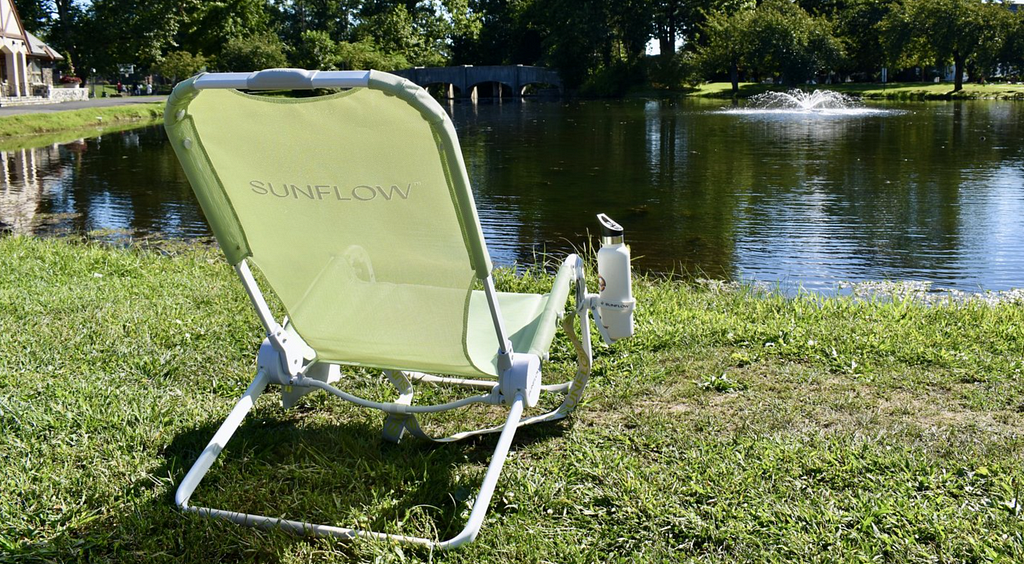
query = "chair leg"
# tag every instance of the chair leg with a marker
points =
(394, 423)
(227, 429)
(219, 440)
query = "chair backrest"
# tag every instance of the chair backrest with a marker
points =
(356, 208)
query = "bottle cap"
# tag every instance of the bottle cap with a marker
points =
(611, 232)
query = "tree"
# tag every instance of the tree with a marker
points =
(632, 25)
(577, 38)
(999, 30)
(122, 32)
(785, 39)
(178, 65)
(857, 24)
(333, 17)
(61, 23)
(942, 30)
(365, 55)
(206, 27)
(465, 28)
(35, 15)
(902, 45)
(316, 50)
(253, 53)
(509, 32)
(727, 43)
(668, 18)
(1012, 54)
(419, 32)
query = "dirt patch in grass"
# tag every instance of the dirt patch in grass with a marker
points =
(836, 404)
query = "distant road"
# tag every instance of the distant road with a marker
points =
(91, 103)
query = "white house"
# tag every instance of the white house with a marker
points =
(26, 64)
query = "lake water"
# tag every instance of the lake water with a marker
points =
(925, 192)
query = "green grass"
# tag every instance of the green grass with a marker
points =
(893, 91)
(89, 119)
(69, 135)
(737, 426)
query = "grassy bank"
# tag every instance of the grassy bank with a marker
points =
(85, 120)
(736, 426)
(892, 91)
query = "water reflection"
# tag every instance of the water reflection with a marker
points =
(929, 192)
(124, 184)
(889, 194)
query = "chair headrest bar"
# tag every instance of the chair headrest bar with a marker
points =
(283, 79)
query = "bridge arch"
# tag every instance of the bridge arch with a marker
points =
(446, 90)
(466, 80)
(494, 89)
(543, 88)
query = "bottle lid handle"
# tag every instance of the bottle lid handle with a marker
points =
(608, 226)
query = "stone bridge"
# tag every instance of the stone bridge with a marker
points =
(488, 81)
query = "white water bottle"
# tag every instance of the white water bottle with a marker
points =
(615, 301)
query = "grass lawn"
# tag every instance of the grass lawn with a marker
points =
(91, 121)
(895, 91)
(737, 426)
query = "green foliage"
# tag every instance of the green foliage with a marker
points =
(466, 24)
(365, 55)
(785, 40)
(680, 71)
(998, 25)
(129, 32)
(178, 65)
(613, 80)
(252, 53)
(35, 15)
(295, 17)
(727, 43)
(944, 31)
(207, 26)
(510, 32)
(412, 32)
(598, 46)
(1012, 53)
(857, 24)
(316, 50)
(775, 38)
(578, 38)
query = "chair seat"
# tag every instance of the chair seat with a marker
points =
(530, 319)
(527, 327)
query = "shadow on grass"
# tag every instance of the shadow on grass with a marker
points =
(327, 466)
(299, 465)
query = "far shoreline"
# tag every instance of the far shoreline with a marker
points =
(903, 91)
(36, 129)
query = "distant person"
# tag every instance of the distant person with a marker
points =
(149, 89)
(119, 87)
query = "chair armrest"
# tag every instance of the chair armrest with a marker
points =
(555, 306)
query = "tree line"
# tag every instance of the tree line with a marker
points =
(598, 46)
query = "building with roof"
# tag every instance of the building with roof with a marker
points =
(26, 64)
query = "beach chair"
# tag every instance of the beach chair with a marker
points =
(357, 210)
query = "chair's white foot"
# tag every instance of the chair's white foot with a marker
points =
(395, 423)
(227, 429)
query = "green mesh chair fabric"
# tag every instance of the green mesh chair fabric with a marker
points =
(348, 206)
